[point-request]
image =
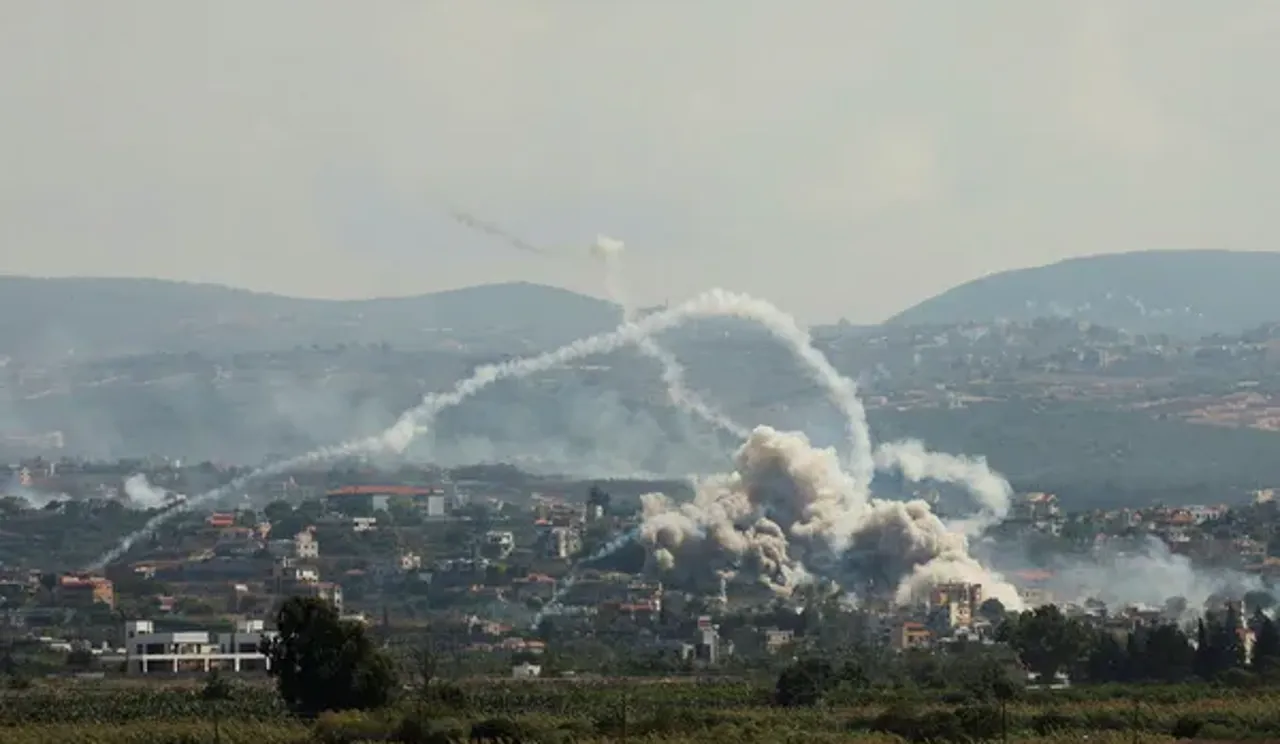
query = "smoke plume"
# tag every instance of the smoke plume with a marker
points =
(788, 514)
(143, 495)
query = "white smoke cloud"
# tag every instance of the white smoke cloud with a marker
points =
(1146, 574)
(143, 495)
(789, 513)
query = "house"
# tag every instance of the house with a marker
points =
(302, 546)
(220, 520)
(151, 652)
(525, 670)
(364, 500)
(562, 543)
(325, 590)
(84, 590)
(497, 544)
(911, 635)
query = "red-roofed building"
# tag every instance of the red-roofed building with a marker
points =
(221, 520)
(83, 590)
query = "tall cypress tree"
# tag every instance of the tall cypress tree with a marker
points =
(1266, 646)
(1204, 659)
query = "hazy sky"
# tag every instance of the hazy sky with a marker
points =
(841, 158)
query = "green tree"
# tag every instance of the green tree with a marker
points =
(805, 682)
(992, 610)
(598, 497)
(1266, 647)
(1258, 601)
(322, 662)
(277, 510)
(1047, 641)
(1163, 654)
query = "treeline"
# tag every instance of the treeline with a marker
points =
(1223, 646)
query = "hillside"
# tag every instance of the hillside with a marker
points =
(104, 317)
(1184, 293)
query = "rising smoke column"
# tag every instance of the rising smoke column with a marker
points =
(788, 513)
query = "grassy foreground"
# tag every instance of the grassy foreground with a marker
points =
(713, 712)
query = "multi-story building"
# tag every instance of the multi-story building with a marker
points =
(497, 544)
(325, 590)
(151, 652)
(960, 602)
(302, 546)
(562, 542)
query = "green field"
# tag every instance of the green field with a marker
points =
(685, 711)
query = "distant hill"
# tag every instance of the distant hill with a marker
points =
(102, 317)
(1177, 292)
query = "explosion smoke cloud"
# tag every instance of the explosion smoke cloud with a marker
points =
(788, 513)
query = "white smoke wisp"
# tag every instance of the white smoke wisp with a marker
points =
(609, 251)
(992, 492)
(789, 514)
(34, 499)
(143, 495)
(1148, 575)
(604, 551)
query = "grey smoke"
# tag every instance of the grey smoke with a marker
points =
(788, 513)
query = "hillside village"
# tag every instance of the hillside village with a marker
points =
(480, 566)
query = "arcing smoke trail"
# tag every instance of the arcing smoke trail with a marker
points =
(715, 303)
(914, 462)
(609, 251)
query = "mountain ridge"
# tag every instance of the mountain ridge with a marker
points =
(102, 316)
(1178, 292)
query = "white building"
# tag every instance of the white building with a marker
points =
(302, 546)
(436, 505)
(497, 544)
(563, 542)
(525, 670)
(149, 652)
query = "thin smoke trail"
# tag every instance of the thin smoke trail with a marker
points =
(673, 375)
(414, 422)
(493, 231)
(604, 551)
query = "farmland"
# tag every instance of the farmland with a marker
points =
(616, 710)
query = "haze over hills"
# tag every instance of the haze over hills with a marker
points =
(1184, 293)
(98, 317)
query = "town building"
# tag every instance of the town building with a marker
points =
(150, 652)
(368, 499)
(84, 590)
(562, 542)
